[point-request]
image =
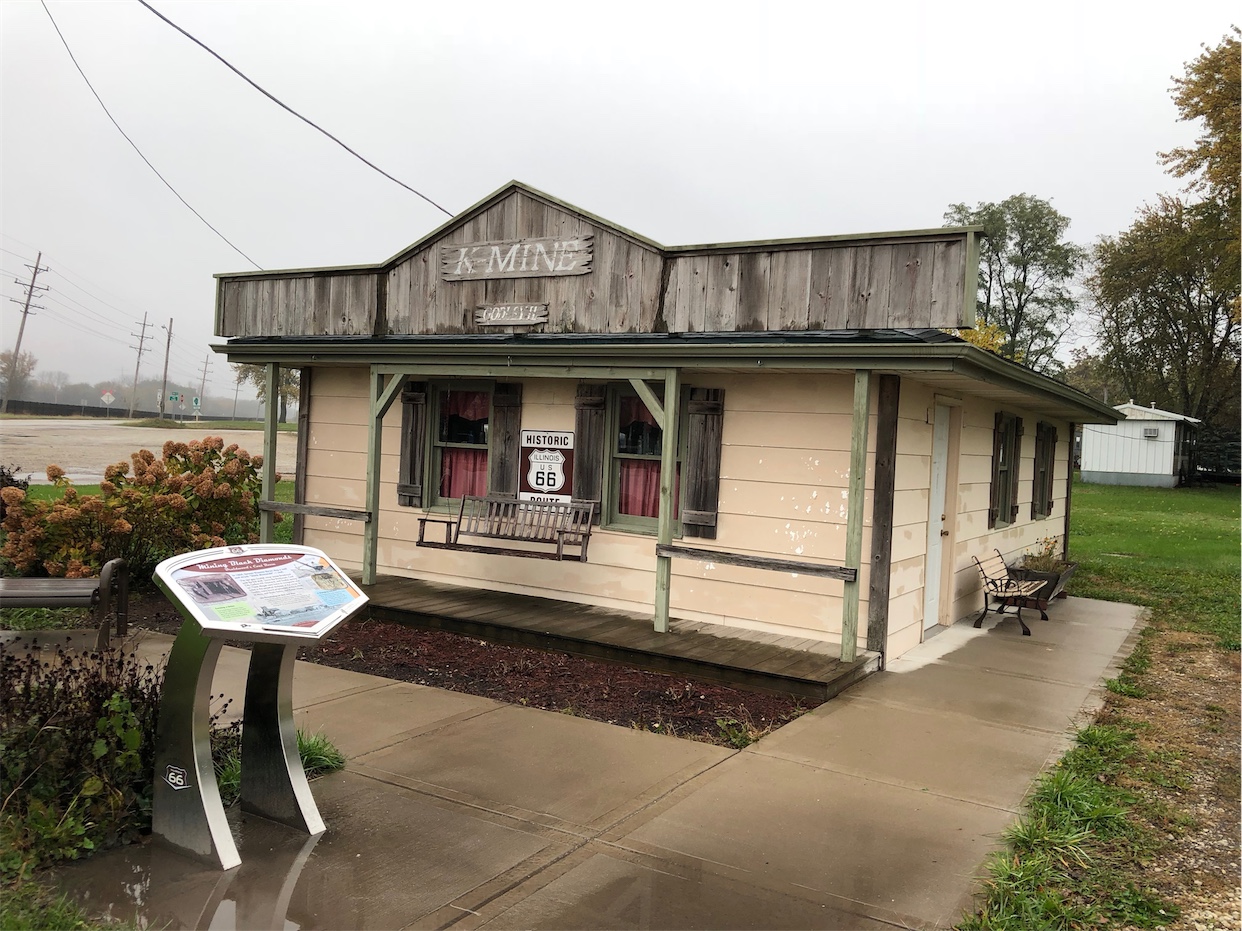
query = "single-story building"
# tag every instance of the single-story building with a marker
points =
(1148, 446)
(776, 435)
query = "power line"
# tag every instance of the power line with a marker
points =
(135, 145)
(290, 109)
(59, 270)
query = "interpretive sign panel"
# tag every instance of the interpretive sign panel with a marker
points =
(547, 466)
(257, 590)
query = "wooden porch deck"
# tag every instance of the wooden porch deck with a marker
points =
(727, 655)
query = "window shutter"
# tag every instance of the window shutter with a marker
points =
(505, 440)
(413, 444)
(704, 423)
(589, 449)
(998, 440)
(1052, 467)
(1015, 469)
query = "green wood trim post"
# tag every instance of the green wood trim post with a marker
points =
(854, 514)
(668, 484)
(381, 398)
(267, 519)
(650, 401)
(370, 531)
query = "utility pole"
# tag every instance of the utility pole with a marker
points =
(203, 382)
(142, 337)
(164, 384)
(26, 310)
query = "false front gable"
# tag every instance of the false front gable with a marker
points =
(521, 261)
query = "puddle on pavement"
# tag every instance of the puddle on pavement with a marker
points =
(154, 887)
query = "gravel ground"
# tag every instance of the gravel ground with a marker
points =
(84, 448)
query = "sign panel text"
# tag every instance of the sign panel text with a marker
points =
(547, 466)
(511, 314)
(516, 258)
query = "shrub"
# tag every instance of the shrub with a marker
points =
(200, 494)
(77, 752)
(10, 479)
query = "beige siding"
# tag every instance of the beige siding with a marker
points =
(783, 492)
(972, 536)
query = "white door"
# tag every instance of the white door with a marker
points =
(937, 519)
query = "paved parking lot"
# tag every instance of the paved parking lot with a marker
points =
(84, 448)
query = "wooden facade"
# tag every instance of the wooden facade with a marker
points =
(629, 285)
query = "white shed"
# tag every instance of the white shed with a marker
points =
(1149, 447)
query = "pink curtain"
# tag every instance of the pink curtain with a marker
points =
(468, 405)
(633, 410)
(640, 488)
(639, 494)
(463, 472)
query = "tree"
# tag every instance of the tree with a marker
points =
(287, 385)
(1212, 91)
(1025, 266)
(1166, 292)
(1090, 374)
(15, 371)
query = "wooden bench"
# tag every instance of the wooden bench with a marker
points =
(76, 593)
(534, 522)
(1001, 586)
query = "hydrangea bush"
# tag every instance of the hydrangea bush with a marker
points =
(198, 495)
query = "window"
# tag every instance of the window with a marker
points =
(458, 438)
(635, 461)
(1045, 468)
(618, 453)
(1006, 447)
(459, 456)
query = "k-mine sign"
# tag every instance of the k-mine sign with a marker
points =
(516, 258)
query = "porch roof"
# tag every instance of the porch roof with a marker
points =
(940, 359)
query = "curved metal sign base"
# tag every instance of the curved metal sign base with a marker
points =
(187, 812)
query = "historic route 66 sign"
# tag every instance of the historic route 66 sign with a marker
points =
(547, 465)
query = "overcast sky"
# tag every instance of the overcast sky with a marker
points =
(686, 122)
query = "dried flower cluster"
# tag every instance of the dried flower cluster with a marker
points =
(199, 494)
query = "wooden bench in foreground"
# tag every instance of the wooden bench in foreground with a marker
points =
(97, 593)
(1000, 585)
(564, 526)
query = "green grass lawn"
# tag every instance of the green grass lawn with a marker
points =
(1174, 550)
(1080, 855)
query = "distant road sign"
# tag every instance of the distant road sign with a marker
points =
(107, 397)
(174, 397)
(197, 402)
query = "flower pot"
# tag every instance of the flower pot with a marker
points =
(1054, 581)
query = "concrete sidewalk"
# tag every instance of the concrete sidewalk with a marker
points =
(875, 810)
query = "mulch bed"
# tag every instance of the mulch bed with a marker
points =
(614, 694)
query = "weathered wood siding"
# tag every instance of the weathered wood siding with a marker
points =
(897, 281)
(857, 286)
(619, 295)
(302, 304)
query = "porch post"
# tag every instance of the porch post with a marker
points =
(370, 530)
(381, 398)
(668, 485)
(854, 514)
(267, 519)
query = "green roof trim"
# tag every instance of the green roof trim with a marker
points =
(524, 357)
